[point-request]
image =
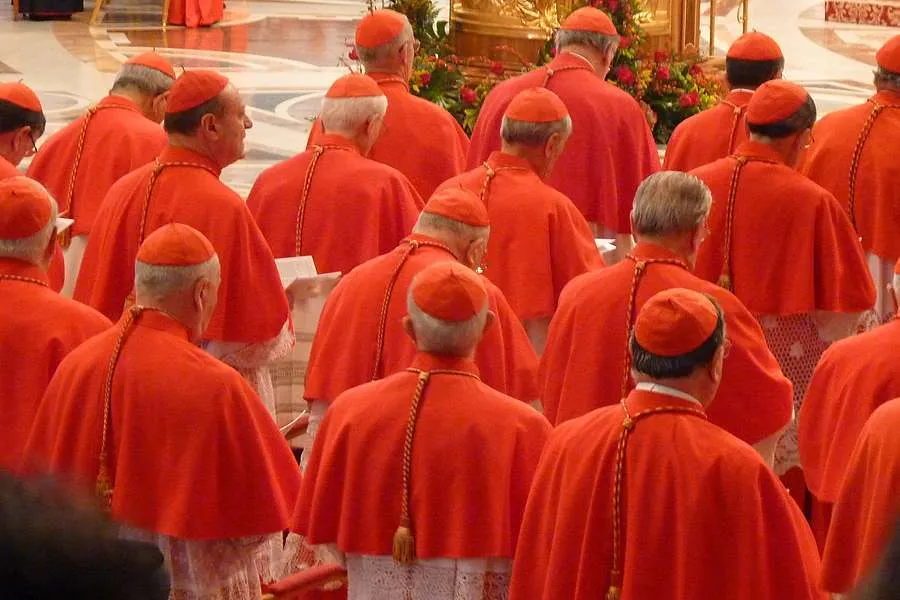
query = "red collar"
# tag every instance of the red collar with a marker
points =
(739, 98)
(570, 60)
(20, 268)
(384, 79)
(418, 237)
(114, 101)
(174, 154)
(501, 160)
(639, 401)
(649, 251)
(336, 141)
(758, 151)
(886, 97)
(426, 361)
(160, 321)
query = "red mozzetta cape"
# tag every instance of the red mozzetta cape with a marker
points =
(418, 138)
(709, 135)
(252, 304)
(38, 329)
(703, 517)
(57, 271)
(853, 378)
(539, 241)
(876, 198)
(117, 139)
(610, 152)
(196, 13)
(583, 365)
(346, 345)
(793, 250)
(197, 461)
(868, 504)
(353, 487)
(353, 210)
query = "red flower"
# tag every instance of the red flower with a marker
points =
(468, 95)
(553, 51)
(497, 68)
(689, 100)
(663, 73)
(426, 79)
(353, 54)
(661, 56)
(624, 42)
(624, 75)
(696, 71)
(612, 5)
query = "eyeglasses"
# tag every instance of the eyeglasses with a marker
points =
(726, 348)
(810, 141)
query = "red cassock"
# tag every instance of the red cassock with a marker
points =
(611, 149)
(360, 336)
(539, 241)
(352, 487)
(709, 135)
(196, 13)
(793, 249)
(198, 461)
(252, 305)
(38, 329)
(110, 140)
(868, 503)
(418, 138)
(703, 517)
(853, 378)
(844, 145)
(347, 197)
(583, 366)
(57, 271)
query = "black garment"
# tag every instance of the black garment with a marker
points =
(50, 9)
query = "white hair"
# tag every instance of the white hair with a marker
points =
(147, 80)
(428, 222)
(598, 41)
(445, 337)
(670, 202)
(158, 282)
(896, 283)
(378, 56)
(348, 115)
(533, 134)
(31, 249)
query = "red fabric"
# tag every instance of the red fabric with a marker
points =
(152, 60)
(779, 216)
(25, 207)
(888, 56)
(459, 204)
(196, 13)
(537, 105)
(119, 139)
(353, 483)
(252, 305)
(449, 291)
(354, 85)
(675, 322)
(867, 505)
(7, 169)
(709, 521)
(755, 46)
(356, 209)
(38, 329)
(774, 101)
(418, 138)
(853, 378)
(175, 245)
(582, 367)
(344, 348)
(588, 18)
(306, 580)
(16, 92)
(704, 137)
(194, 88)
(539, 241)
(827, 162)
(198, 461)
(611, 149)
(379, 27)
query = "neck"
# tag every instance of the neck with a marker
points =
(177, 311)
(352, 138)
(692, 386)
(7, 155)
(443, 237)
(187, 142)
(597, 60)
(534, 156)
(135, 96)
(392, 70)
(679, 243)
(786, 147)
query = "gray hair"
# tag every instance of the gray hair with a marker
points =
(670, 202)
(896, 282)
(31, 249)
(158, 282)
(887, 79)
(445, 337)
(347, 115)
(598, 41)
(146, 80)
(533, 134)
(377, 56)
(431, 222)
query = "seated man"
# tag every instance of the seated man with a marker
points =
(646, 499)
(174, 442)
(399, 478)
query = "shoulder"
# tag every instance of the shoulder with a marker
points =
(78, 313)
(714, 168)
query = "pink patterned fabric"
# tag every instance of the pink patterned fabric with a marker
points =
(867, 12)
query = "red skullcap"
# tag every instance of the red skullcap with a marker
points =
(449, 291)
(21, 95)
(888, 56)
(775, 101)
(589, 19)
(24, 208)
(755, 46)
(175, 245)
(458, 204)
(354, 85)
(675, 322)
(379, 27)
(152, 60)
(536, 105)
(194, 88)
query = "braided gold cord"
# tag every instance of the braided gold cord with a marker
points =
(857, 156)
(725, 278)
(24, 279)
(154, 175)
(413, 245)
(301, 210)
(551, 72)
(628, 425)
(490, 173)
(735, 121)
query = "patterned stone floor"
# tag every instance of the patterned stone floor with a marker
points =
(282, 55)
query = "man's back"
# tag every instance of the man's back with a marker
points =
(708, 135)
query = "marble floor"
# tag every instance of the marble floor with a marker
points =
(282, 55)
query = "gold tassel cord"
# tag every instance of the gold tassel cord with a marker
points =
(857, 157)
(318, 151)
(725, 279)
(154, 176)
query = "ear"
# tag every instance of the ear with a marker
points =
(716, 364)
(893, 294)
(50, 250)
(489, 321)
(209, 124)
(408, 327)
(200, 292)
(160, 102)
(554, 145)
